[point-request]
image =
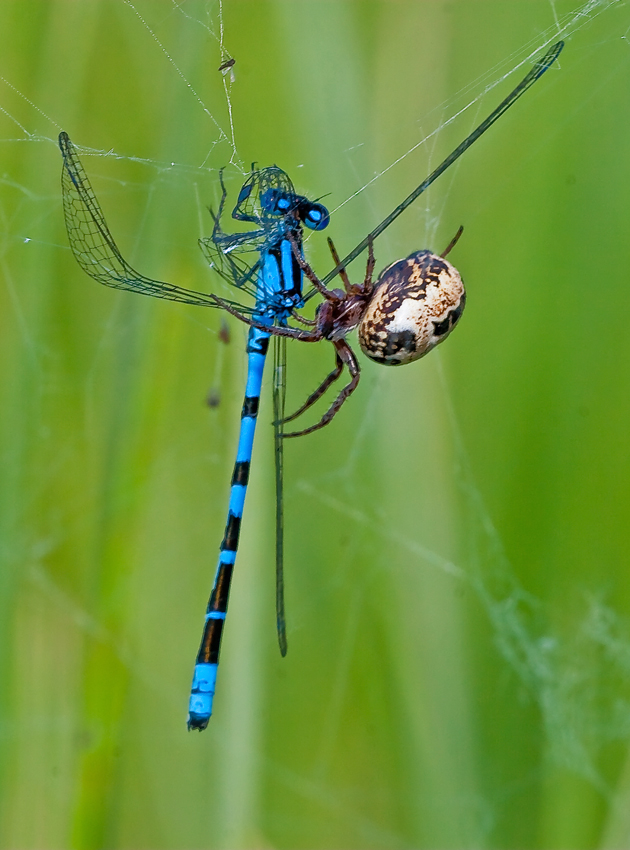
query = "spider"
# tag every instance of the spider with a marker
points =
(414, 305)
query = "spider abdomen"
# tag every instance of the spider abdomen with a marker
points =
(415, 304)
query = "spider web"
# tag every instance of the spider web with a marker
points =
(567, 669)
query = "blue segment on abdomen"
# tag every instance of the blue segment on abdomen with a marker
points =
(237, 499)
(202, 694)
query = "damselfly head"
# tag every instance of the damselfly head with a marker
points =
(415, 304)
(278, 202)
(315, 216)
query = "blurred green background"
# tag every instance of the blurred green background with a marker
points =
(458, 540)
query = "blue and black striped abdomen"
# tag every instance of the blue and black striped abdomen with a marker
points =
(268, 199)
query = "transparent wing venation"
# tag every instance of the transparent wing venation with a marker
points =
(94, 247)
(236, 256)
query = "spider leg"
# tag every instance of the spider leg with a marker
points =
(453, 242)
(308, 271)
(302, 319)
(319, 392)
(346, 354)
(369, 268)
(342, 272)
(274, 330)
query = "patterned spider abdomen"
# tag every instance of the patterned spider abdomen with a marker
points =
(416, 303)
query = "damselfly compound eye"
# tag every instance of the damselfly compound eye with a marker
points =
(416, 303)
